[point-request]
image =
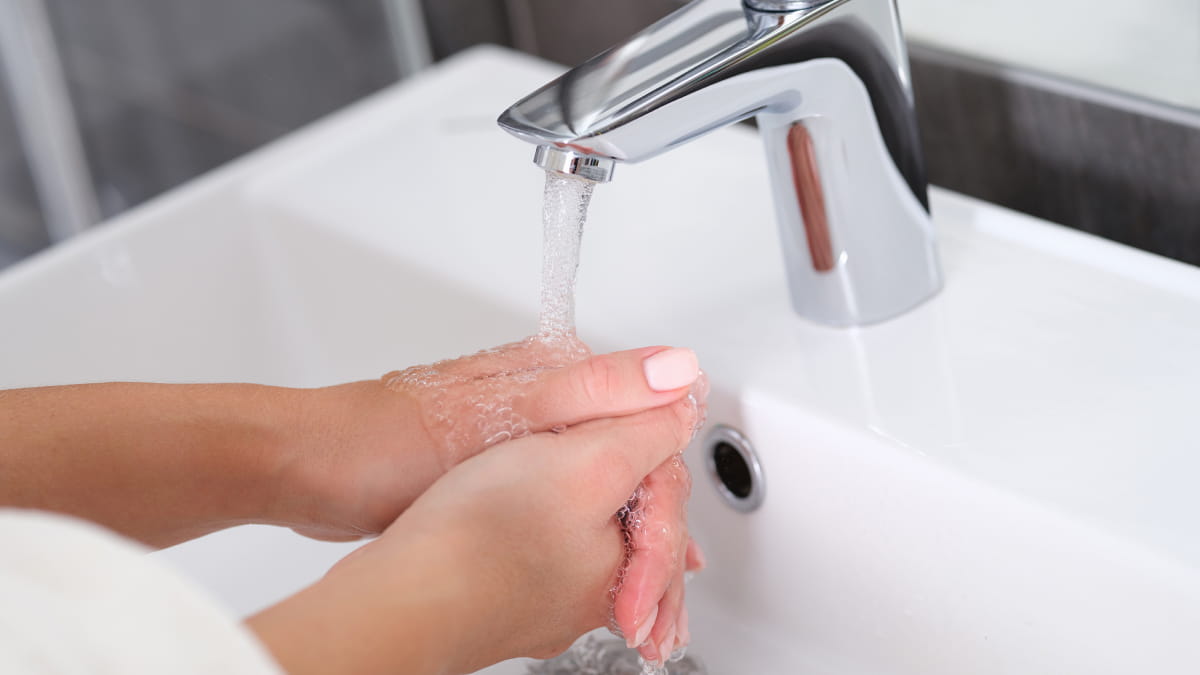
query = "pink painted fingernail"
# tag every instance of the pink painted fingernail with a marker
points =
(643, 631)
(671, 369)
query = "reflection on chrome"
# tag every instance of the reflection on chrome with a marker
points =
(836, 70)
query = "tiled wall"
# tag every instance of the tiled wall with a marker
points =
(1104, 163)
(168, 89)
(165, 90)
(566, 31)
(455, 25)
(571, 31)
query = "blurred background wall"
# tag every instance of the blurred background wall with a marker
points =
(165, 90)
(22, 231)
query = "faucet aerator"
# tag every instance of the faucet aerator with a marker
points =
(570, 163)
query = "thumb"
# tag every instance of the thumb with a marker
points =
(609, 385)
(609, 458)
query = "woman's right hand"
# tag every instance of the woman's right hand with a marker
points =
(512, 553)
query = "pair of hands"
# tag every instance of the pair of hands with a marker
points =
(517, 549)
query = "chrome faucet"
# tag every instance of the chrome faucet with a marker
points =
(828, 83)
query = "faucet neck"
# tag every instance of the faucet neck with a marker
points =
(828, 82)
(784, 5)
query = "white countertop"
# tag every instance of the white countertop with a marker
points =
(1000, 481)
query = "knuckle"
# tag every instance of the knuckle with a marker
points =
(597, 380)
(682, 475)
(600, 473)
(615, 468)
(679, 424)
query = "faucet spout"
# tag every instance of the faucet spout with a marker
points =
(827, 82)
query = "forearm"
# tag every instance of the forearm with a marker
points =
(159, 463)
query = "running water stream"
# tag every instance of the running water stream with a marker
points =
(471, 404)
(564, 213)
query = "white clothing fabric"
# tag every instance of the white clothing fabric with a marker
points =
(76, 599)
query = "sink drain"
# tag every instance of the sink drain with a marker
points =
(734, 467)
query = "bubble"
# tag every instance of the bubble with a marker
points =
(472, 403)
(698, 398)
(564, 213)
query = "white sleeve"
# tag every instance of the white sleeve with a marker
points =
(76, 599)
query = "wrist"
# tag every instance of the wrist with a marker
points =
(354, 456)
(295, 473)
(378, 611)
(265, 427)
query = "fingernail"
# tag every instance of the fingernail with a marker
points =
(668, 645)
(701, 387)
(650, 653)
(685, 635)
(643, 631)
(671, 369)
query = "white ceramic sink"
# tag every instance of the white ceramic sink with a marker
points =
(1002, 481)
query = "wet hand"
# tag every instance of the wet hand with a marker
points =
(371, 448)
(649, 609)
(512, 553)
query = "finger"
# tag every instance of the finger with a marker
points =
(681, 638)
(658, 648)
(647, 578)
(467, 404)
(685, 633)
(658, 544)
(612, 456)
(327, 535)
(699, 394)
(664, 635)
(530, 354)
(609, 385)
(694, 559)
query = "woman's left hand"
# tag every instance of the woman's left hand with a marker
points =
(366, 450)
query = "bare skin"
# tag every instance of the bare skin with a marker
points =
(167, 463)
(560, 549)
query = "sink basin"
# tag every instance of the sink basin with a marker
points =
(1001, 481)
